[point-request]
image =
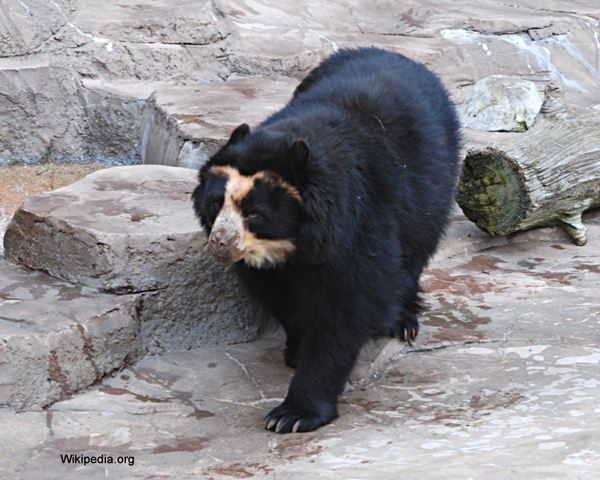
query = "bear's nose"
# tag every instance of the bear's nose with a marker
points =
(219, 242)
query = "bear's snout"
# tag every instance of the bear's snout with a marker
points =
(223, 246)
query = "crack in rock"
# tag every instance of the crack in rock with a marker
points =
(245, 370)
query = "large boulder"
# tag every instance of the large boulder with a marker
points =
(501, 103)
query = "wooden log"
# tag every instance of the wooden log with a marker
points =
(548, 176)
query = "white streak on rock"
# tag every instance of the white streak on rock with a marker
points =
(25, 7)
(589, 359)
(525, 352)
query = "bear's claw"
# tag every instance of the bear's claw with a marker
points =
(290, 419)
(406, 329)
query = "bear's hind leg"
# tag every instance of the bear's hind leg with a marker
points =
(293, 338)
(291, 350)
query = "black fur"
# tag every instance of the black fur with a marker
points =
(371, 141)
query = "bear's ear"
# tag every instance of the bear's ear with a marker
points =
(301, 153)
(239, 134)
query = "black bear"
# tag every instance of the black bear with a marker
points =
(331, 208)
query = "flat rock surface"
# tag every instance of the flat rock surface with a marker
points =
(502, 383)
(212, 111)
(183, 125)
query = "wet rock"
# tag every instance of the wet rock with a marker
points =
(57, 338)
(132, 230)
(501, 103)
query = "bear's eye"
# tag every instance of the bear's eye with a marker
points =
(254, 216)
(215, 204)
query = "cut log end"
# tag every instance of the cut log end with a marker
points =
(491, 191)
(548, 176)
(492, 194)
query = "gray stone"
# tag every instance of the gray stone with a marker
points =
(132, 230)
(57, 338)
(556, 28)
(163, 123)
(34, 124)
(501, 103)
(26, 26)
(161, 143)
(110, 122)
(194, 154)
(184, 125)
(39, 123)
(159, 22)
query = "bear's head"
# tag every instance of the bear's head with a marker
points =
(249, 210)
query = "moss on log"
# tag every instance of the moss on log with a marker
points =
(548, 176)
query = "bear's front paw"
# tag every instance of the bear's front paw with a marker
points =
(287, 418)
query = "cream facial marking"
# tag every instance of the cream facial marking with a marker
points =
(230, 240)
(261, 253)
(244, 184)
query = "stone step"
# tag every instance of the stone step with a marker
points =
(183, 124)
(57, 338)
(132, 230)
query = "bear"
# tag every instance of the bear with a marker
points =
(330, 210)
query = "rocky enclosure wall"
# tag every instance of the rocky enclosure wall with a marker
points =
(77, 76)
